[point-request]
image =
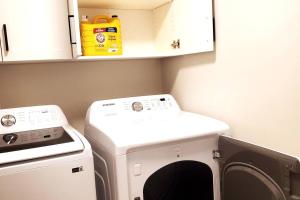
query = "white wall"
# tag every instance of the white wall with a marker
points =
(252, 79)
(75, 85)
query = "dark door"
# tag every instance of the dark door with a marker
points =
(249, 172)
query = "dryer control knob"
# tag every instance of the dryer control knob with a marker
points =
(137, 106)
(8, 120)
(10, 138)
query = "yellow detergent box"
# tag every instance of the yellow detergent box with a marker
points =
(102, 37)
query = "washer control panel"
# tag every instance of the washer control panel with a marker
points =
(31, 117)
(28, 118)
(29, 137)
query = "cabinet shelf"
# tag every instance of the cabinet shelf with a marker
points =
(121, 4)
(127, 57)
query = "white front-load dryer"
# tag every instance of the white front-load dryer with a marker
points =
(43, 157)
(147, 148)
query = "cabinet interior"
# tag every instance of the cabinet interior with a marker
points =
(141, 28)
(149, 28)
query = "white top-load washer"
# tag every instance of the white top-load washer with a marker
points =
(147, 148)
(43, 157)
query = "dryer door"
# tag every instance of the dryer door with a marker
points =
(250, 172)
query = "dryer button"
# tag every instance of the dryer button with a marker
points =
(137, 169)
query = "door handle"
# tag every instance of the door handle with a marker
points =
(71, 25)
(5, 37)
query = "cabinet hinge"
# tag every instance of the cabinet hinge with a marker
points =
(176, 44)
(217, 154)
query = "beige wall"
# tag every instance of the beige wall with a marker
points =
(75, 85)
(252, 80)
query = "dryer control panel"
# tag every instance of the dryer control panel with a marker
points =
(152, 105)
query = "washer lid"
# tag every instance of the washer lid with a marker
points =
(38, 143)
(251, 172)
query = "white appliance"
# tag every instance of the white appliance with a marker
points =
(43, 157)
(147, 148)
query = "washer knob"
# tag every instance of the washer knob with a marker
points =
(8, 120)
(10, 138)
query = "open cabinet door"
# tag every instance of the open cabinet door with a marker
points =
(249, 172)
(1, 57)
(74, 26)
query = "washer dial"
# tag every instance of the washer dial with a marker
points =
(10, 138)
(8, 120)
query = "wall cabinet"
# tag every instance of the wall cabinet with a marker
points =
(150, 29)
(34, 30)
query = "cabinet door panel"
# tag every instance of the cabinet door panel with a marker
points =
(195, 25)
(187, 21)
(36, 30)
(74, 28)
(1, 50)
(164, 28)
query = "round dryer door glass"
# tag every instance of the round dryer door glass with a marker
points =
(245, 182)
